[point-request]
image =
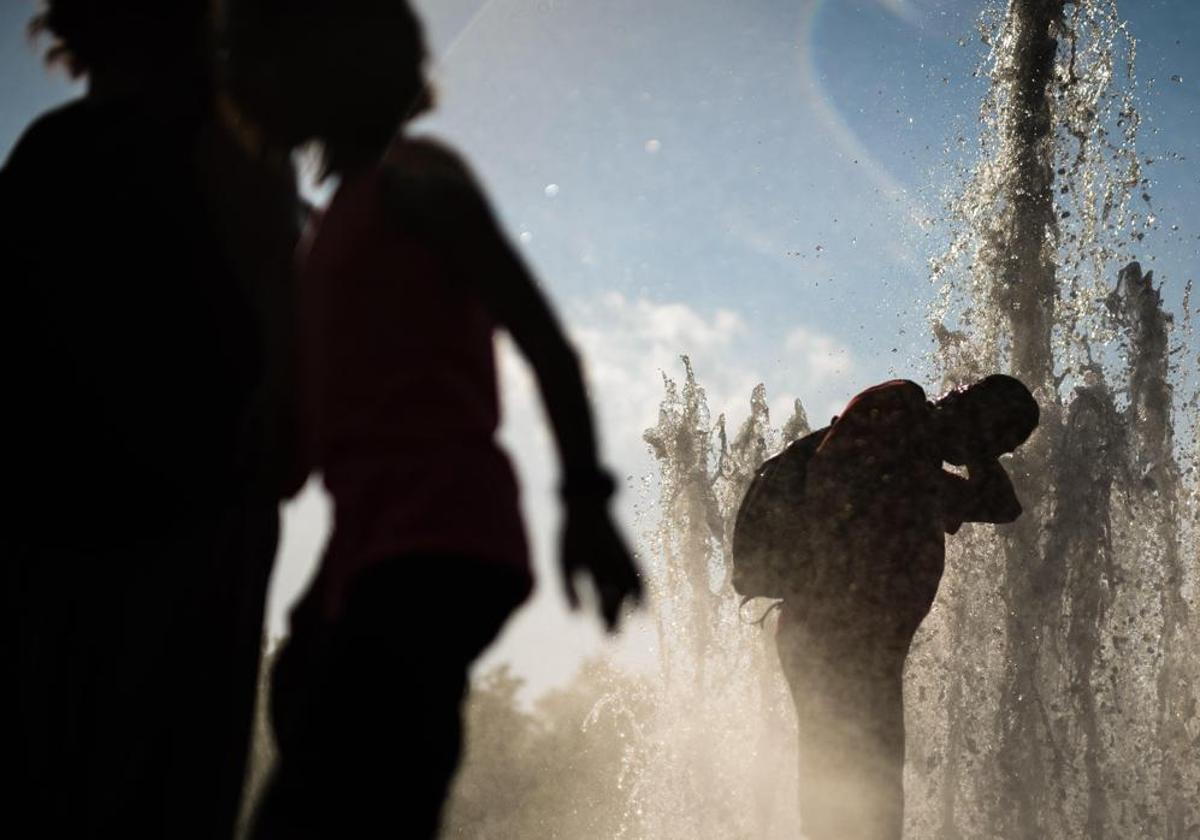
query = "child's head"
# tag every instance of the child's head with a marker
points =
(985, 420)
(345, 73)
(150, 39)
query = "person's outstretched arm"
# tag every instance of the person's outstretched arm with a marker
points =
(433, 194)
(985, 495)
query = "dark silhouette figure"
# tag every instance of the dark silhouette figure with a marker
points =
(403, 285)
(876, 503)
(144, 262)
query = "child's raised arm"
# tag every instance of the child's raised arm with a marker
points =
(986, 495)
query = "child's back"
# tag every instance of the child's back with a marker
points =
(401, 400)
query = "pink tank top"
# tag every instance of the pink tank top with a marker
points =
(400, 399)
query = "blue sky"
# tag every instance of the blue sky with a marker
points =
(741, 180)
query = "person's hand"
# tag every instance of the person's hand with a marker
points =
(991, 494)
(593, 548)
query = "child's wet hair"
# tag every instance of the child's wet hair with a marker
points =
(349, 71)
(1008, 400)
(135, 35)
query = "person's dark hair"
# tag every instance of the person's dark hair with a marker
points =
(1009, 404)
(345, 73)
(985, 420)
(143, 36)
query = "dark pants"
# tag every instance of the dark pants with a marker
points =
(130, 681)
(845, 672)
(367, 710)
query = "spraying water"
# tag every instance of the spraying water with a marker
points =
(1063, 672)
(1053, 690)
(721, 763)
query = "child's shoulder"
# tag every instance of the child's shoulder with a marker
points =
(426, 183)
(425, 159)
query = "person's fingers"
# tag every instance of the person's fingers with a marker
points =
(569, 588)
(624, 587)
(610, 605)
(631, 580)
(636, 592)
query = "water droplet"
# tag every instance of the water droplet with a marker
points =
(1176, 78)
(551, 190)
(653, 146)
(526, 237)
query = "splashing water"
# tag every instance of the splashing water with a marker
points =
(714, 752)
(1062, 668)
(1053, 690)
(721, 760)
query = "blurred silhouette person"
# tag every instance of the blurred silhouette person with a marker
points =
(146, 260)
(402, 288)
(860, 570)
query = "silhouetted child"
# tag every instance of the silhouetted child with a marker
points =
(143, 256)
(876, 505)
(403, 287)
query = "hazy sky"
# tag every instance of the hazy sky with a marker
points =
(744, 181)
